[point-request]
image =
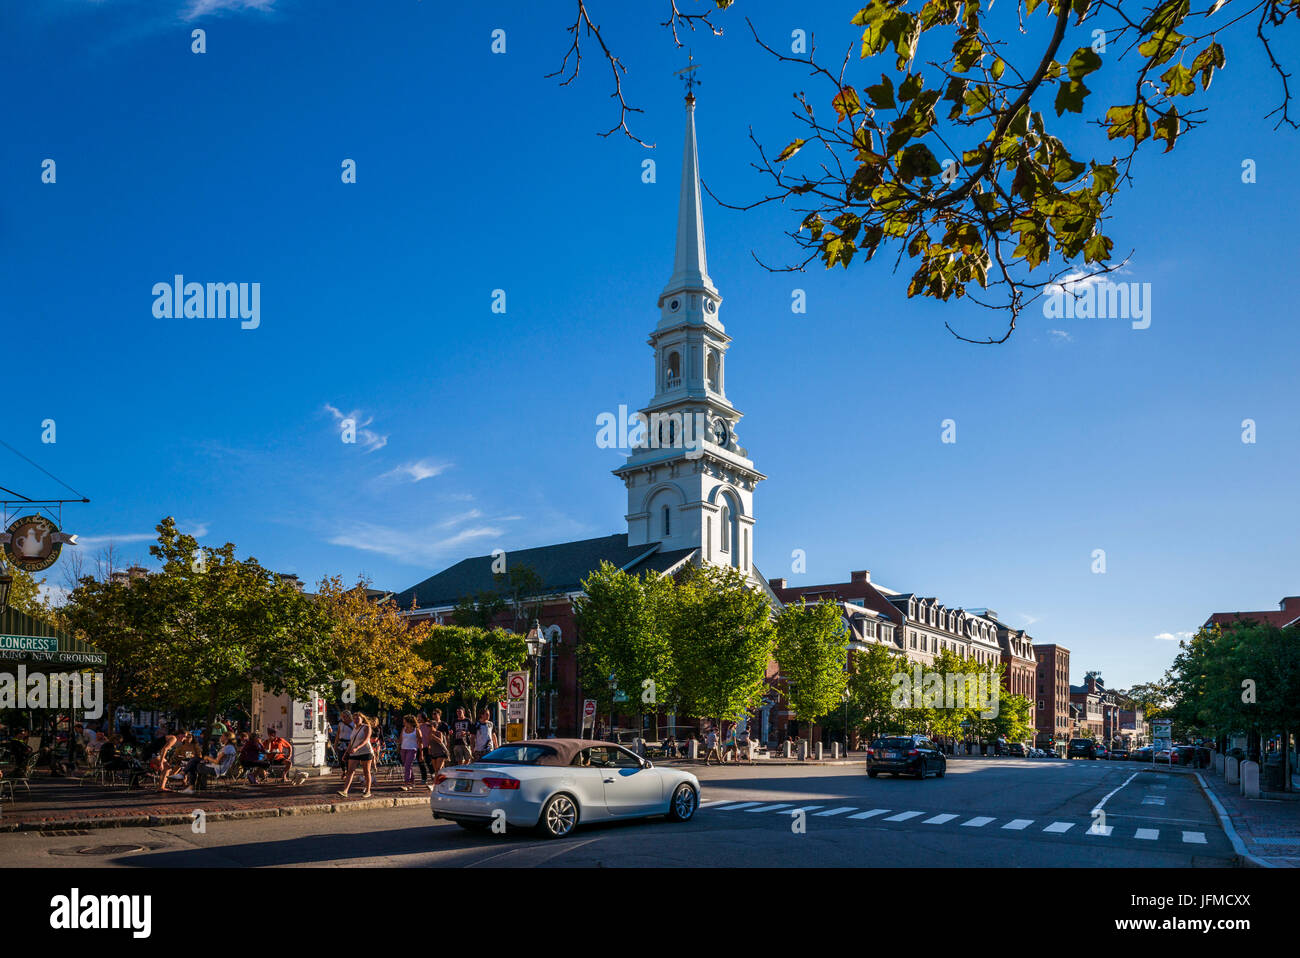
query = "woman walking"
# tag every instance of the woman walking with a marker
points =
(408, 745)
(343, 738)
(360, 754)
(439, 744)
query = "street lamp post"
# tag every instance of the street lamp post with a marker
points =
(6, 583)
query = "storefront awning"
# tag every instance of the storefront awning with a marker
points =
(27, 640)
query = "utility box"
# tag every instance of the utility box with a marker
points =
(301, 721)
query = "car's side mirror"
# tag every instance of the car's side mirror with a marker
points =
(646, 763)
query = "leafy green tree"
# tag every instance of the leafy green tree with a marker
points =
(479, 610)
(970, 156)
(624, 621)
(811, 645)
(214, 624)
(722, 639)
(871, 687)
(473, 662)
(25, 592)
(110, 616)
(375, 646)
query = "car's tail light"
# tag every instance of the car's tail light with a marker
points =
(913, 752)
(871, 753)
(501, 782)
(440, 778)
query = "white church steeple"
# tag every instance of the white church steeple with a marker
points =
(691, 485)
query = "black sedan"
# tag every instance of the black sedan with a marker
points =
(905, 755)
(1081, 748)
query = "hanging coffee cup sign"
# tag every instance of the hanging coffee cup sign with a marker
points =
(33, 543)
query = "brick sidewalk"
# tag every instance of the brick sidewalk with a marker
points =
(63, 803)
(1268, 827)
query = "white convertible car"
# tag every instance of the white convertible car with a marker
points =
(553, 784)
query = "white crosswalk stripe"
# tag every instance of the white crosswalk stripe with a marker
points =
(1147, 834)
(903, 816)
(1194, 838)
(1153, 800)
(805, 808)
(1016, 824)
(1102, 830)
(768, 808)
(979, 821)
(938, 820)
(737, 807)
(835, 811)
(871, 814)
(1059, 828)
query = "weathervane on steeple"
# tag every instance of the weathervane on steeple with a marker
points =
(688, 76)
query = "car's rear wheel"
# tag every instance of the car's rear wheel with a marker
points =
(872, 773)
(920, 770)
(559, 816)
(683, 804)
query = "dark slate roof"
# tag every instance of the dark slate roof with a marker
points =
(561, 568)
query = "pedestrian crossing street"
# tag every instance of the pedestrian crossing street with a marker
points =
(1046, 826)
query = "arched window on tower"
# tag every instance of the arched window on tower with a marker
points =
(711, 370)
(725, 541)
(673, 372)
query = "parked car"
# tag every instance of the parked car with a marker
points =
(1081, 748)
(1118, 754)
(1100, 751)
(1017, 749)
(1142, 754)
(554, 784)
(905, 755)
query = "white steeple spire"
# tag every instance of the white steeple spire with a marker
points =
(690, 266)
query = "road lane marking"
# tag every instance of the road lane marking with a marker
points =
(1102, 830)
(732, 808)
(1147, 834)
(978, 821)
(1107, 796)
(1195, 838)
(835, 811)
(805, 808)
(939, 819)
(1158, 787)
(768, 808)
(1153, 800)
(1059, 828)
(873, 812)
(1018, 823)
(903, 816)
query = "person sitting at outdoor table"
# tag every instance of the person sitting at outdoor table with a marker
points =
(250, 756)
(670, 746)
(201, 769)
(279, 751)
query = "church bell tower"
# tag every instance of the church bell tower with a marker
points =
(690, 484)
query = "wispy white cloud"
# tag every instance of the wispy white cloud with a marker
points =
(1173, 636)
(202, 8)
(417, 471)
(93, 542)
(1060, 336)
(415, 546)
(368, 439)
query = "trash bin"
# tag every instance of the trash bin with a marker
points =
(1271, 777)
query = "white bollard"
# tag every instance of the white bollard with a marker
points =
(1231, 770)
(819, 751)
(693, 750)
(1218, 763)
(786, 749)
(803, 751)
(1250, 779)
(835, 750)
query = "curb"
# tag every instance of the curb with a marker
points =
(220, 815)
(1244, 857)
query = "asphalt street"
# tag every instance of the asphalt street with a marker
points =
(1008, 812)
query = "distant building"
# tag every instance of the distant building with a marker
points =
(1052, 695)
(1287, 613)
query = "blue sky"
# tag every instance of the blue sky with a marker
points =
(475, 172)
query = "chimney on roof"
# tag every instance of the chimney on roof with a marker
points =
(776, 584)
(1291, 603)
(860, 578)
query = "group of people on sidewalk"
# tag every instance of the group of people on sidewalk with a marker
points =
(424, 740)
